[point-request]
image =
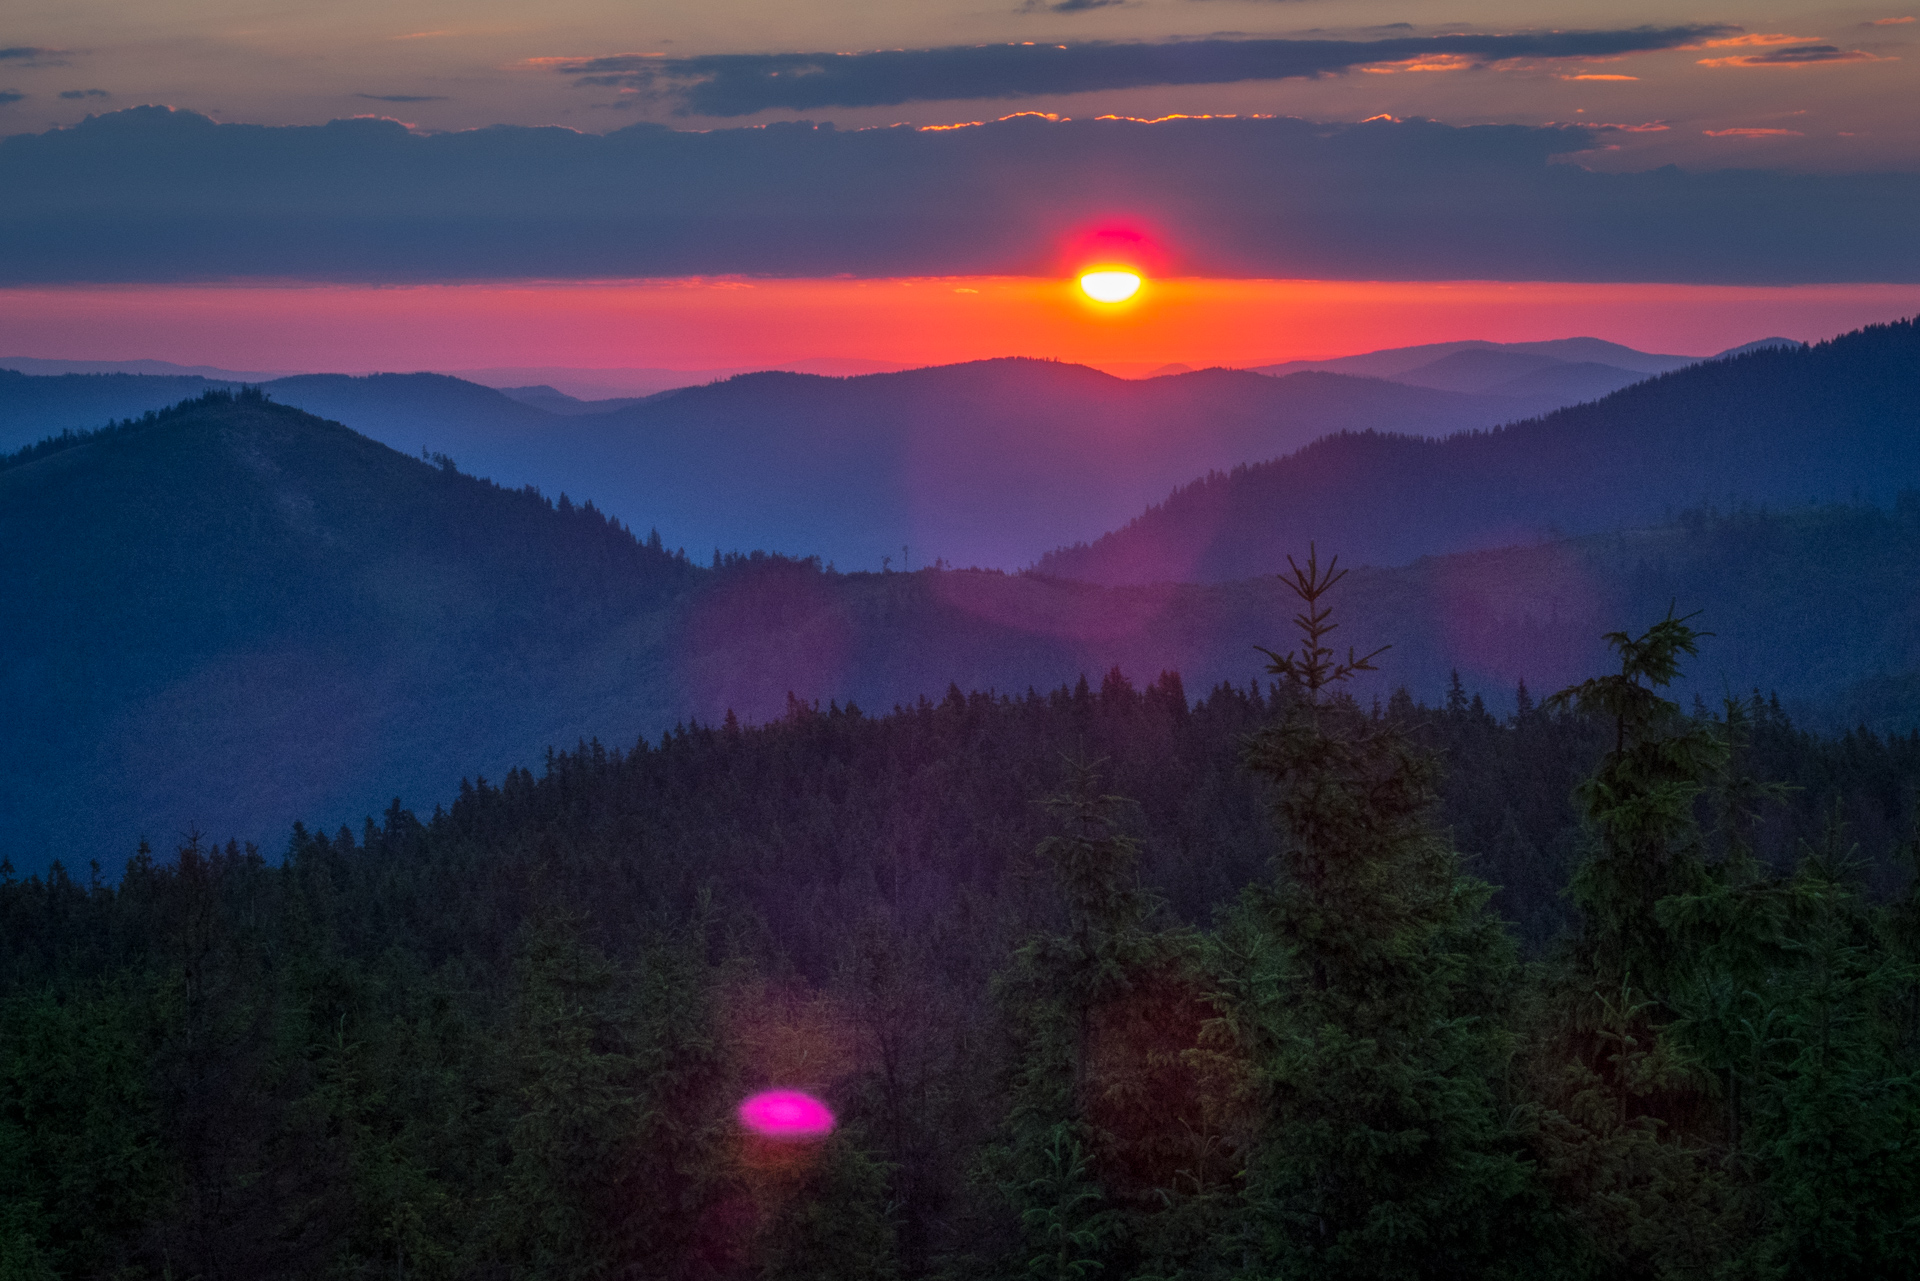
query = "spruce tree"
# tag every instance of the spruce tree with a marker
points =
(1794, 1002)
(1106, 1156)
(1624, 1124)
(1639, 807)
(1365, 986)
(617, 1153)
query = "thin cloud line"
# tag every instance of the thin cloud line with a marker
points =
(724, 85)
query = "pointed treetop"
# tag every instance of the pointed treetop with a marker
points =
(1315, 665)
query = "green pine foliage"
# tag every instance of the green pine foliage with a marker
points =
(620, 1103)
(83, 1166)
(1366, 986)
(1721, 1061)
(1111, 1160)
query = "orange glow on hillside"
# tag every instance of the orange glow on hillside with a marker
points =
(713, 323)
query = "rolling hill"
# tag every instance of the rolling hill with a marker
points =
(1776, 426)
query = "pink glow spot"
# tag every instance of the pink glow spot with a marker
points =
(786, 1114)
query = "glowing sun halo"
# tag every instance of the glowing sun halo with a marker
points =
(1110, 285)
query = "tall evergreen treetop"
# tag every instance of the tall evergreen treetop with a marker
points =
(1362, 985)
(1639, 803)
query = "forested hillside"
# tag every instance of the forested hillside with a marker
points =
(237, 615)
(1838, 422)
(1099, 982)
(245, 608)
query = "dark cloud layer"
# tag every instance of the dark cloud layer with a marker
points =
(9, 96)
(85, 93)
(402, 97)
(149, 194)
(742, 84)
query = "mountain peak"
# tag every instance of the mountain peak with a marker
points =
(1761, 344)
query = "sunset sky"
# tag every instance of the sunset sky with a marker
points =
(597, 184)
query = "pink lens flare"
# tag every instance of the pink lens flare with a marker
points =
(786, 1114)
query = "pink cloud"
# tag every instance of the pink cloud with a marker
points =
(1432, 62)
(1781, 50)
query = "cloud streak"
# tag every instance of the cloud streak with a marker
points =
(730, 85)
(401, 97)
(1799, 55)
(148, 194)
(33, 56)
(1778, 49)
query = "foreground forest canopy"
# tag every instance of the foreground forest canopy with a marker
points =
(1101, 984)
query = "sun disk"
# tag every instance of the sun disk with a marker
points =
(1109, 285)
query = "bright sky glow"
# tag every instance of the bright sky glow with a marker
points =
(713, 323)
(1110, 285)
(786, 1114)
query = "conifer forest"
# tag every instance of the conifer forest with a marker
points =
(1109, 981)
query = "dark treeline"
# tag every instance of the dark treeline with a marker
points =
(1101, 983)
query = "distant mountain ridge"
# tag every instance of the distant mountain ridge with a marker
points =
(585, 383)
(1565, 370)
(1839, 421)
(555, 401)
(161, 368)
(1392, 362)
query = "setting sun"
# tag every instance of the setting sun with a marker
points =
(1110, 285)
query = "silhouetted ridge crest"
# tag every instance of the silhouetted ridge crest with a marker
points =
(152, 418)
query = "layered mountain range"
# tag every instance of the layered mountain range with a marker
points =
(234, 614)
(992, 463)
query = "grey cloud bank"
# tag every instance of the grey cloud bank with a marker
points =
(149, 194)
(724, 85)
